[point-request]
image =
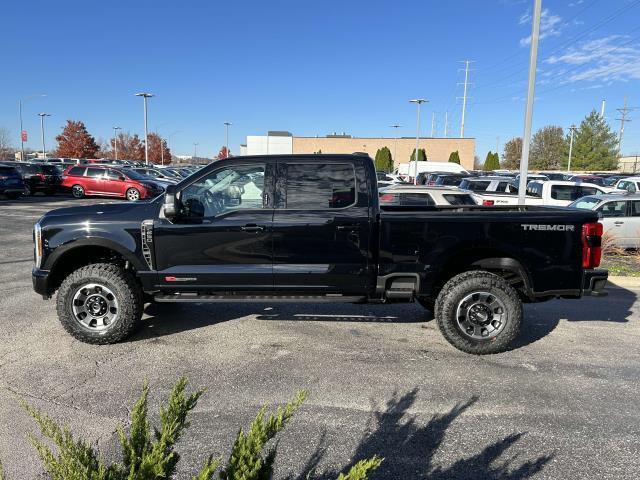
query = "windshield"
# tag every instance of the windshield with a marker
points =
(586, 203)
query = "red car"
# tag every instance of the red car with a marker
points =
(110, 182)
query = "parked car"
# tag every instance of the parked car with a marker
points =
(595, 179)
(157, 174)
(40, 177)
(110, 182)
(11, 183)
(419, 196)
(450, 179)
(489, 184)
(408, 170)
(311, 230)
(532, 177)
(619, 215)
(629, 184)
(555, 175)
(552, 192)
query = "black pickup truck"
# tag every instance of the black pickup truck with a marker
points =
(308, 228)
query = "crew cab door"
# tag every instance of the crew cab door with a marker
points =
(322, 227)
(220, 240)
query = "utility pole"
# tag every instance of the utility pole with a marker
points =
(624, 111)
(464, 95)
(115, 140)
(395, 143)
(498, 144)
(602, 108)
(572, 129)
(528, 115)
(418, 102)
(446, 124)
(145, 96)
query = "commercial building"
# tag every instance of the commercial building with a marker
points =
(282, 142)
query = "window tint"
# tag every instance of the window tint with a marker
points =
(454, 199)
(476, 186)
(77, 171)
(584, 191)
(564, 192)
(95, 172)
(635, 208)
(232, 188)
(416, 199)
(614, 209)
(320, 186)
(502, 186)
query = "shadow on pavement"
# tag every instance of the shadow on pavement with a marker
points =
(409, 448)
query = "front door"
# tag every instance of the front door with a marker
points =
(321, 228)
(221, 239)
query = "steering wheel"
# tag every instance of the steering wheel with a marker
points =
(215, 201)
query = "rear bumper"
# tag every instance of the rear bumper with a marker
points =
(40, 280)
(594, 282)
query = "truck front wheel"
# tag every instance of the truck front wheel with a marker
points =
(100, 303)
(479, 312)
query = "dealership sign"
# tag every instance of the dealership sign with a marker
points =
(24, 135)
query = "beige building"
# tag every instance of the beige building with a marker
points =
(438, 149)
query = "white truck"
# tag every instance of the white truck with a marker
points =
(553, 192)
(408, 170)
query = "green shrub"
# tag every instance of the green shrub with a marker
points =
(148, 455)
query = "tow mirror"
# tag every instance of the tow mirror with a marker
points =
(170, 202)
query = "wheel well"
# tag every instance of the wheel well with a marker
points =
(491, 261)
(79, 257)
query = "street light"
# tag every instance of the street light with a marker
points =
(20, 102)
(572, 128)
(395, 146)
(226, 142)
(115, 140)
(195, 150)
(418, 102)
(146, 139)
(42, 115)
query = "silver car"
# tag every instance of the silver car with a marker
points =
(619, 215)
(422, 196)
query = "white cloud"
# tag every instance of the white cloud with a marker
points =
(606, 59)
(550, 25)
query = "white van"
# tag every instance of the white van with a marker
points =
(408, 170)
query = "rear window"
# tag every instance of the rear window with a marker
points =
(76, 171)
(95, 172)
(584, 191)
(416, 199)
(457, 199)
(474, 186)
(49, 169)
(320, 186)
(564, 192)
(449, 181)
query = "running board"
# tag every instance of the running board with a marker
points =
(195, 298)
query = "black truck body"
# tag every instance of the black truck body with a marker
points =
(309, 228)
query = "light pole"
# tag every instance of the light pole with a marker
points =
(195, 150)
(146, 139)
(395, 143)
(572, 129)
(169, 141)
(418, 102)
(42, 115)
(115, 140)
(20, 102)
(226, 141)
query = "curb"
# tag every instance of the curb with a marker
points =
(628, 282)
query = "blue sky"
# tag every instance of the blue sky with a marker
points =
(313, 67)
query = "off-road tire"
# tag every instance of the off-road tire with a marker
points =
(127, 292)
(464, 284)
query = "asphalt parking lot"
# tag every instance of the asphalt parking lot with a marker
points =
(562, 404)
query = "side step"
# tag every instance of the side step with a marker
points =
(196, 298)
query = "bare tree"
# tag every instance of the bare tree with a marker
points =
(6, 147)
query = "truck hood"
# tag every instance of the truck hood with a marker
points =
(99, 212)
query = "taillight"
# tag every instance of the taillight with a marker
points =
(591, 245)
(41, 176)
(487, 203)
(387, 197)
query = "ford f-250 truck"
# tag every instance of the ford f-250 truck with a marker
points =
(308, 228)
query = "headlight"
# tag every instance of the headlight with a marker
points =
(37, 240)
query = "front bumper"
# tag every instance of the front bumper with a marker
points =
(40, 280)
(594, 282)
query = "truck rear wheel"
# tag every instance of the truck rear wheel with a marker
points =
(479, 312)
(100, 303)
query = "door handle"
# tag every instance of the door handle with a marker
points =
(252, 228)
(618, 223)
(347, 227)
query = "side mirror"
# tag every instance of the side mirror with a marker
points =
(170, 202)
(600, 215)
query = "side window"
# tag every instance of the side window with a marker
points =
(635, 208)
(232, 188)
(463, 199)
(478, 186)
(614, 209)
(113, 175)
(584, 191)
(416, 199)
(95, 172)
(564, 192)
(77, 171)
(320, 186)
(535, 190)
(502, 187)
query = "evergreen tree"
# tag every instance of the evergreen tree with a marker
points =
(422, 155)
(492, 162)
(383, 161)
(455, 157)
(512, 153)
(595, 146)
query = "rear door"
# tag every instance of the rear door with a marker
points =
(322, 228)
(615, 221)
(94, 181)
